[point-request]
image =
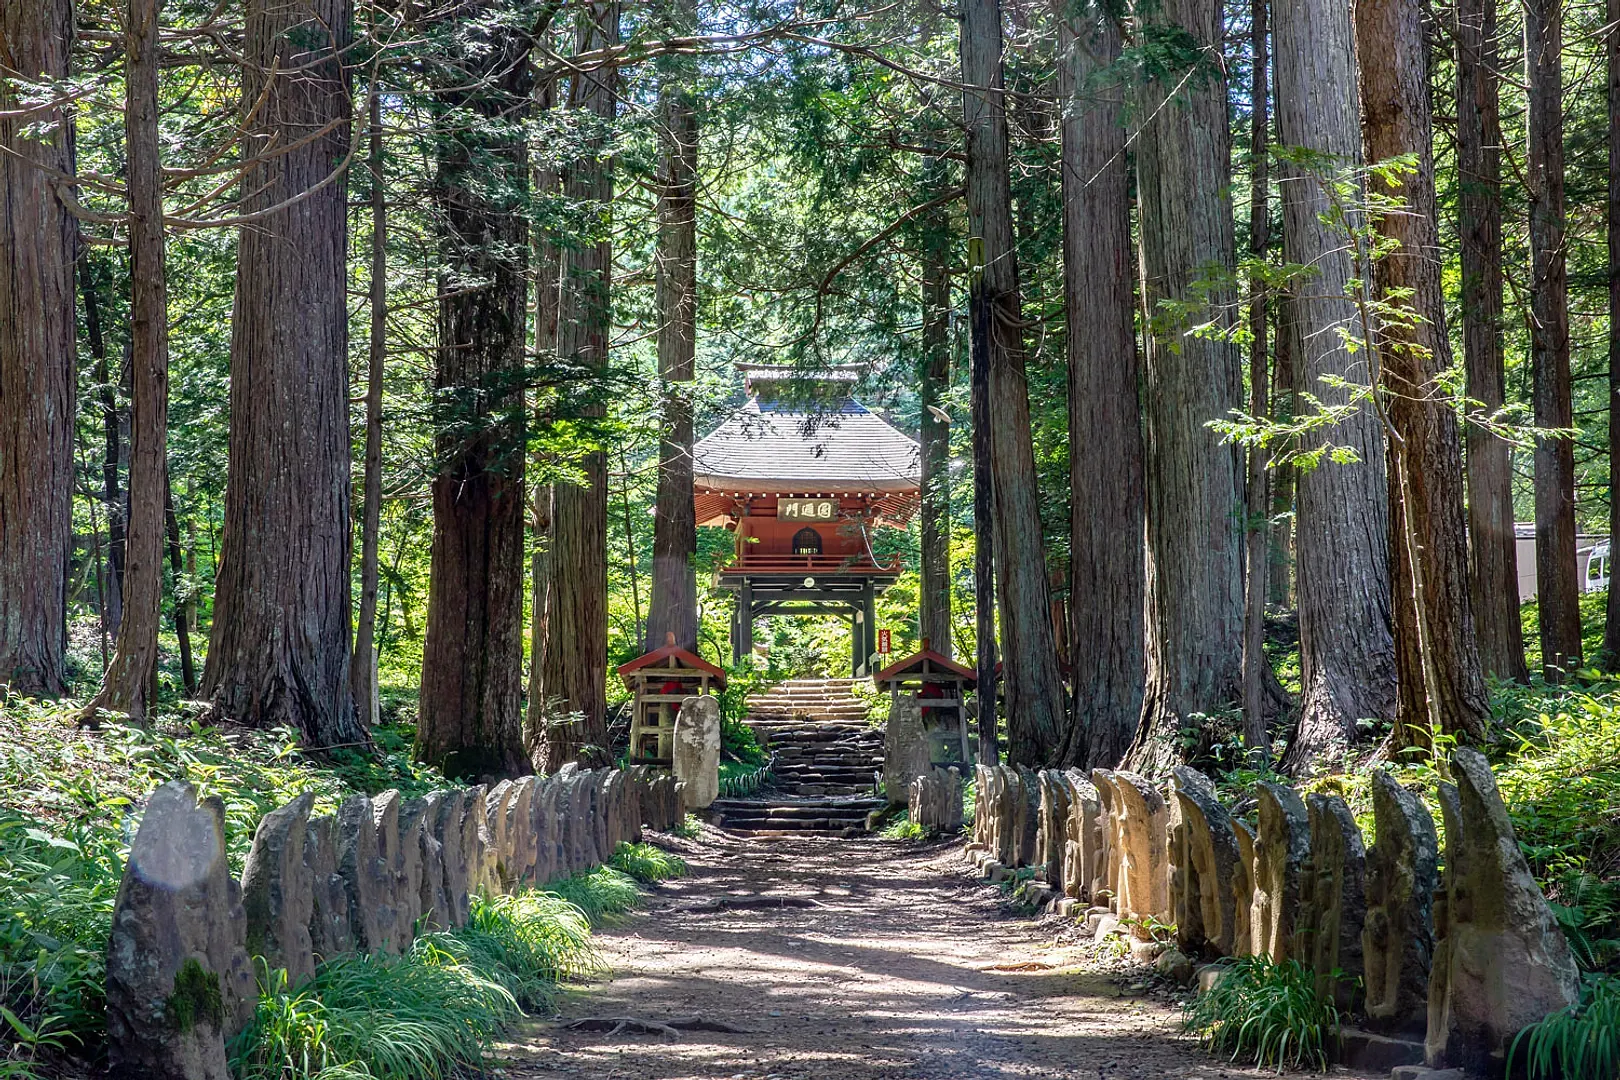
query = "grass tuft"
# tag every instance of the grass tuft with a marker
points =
(602, 893)
(1577, 1043)
(1267, 1014)
(647, 863)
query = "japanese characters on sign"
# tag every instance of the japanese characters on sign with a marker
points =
(807, 509)
(883, 642)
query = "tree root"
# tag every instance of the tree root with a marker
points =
(670, 1029)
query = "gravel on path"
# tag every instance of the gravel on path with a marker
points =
(879, 961)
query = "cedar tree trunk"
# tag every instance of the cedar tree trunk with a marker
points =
(1438, 675)
(1034, 694)
(472, 663)
(1611, 614)
(1194, 527)
(37, 350)
(575, 663)
(1255, 585)
(1106, 566)
(363, 674)
(1493, 563)
(1558, 586)
(1347, 652)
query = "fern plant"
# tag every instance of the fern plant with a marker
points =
(1267, 1014)
(1581, 1042)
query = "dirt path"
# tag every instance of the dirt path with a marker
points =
(895, 965)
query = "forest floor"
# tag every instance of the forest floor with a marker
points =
(873, 961)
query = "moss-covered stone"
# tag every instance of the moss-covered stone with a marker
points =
(196, 997)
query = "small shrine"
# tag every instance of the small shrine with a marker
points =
(940, 686)
(659, 681)
(804, 476)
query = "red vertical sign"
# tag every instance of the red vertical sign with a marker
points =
(883, 642)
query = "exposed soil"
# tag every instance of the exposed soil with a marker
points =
(874, 961)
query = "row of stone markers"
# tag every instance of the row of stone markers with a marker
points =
(1468, 958)
(180, 976)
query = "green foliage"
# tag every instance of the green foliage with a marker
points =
(528, 942)
(1581, 1042)
(195, 998)
(1267, 1014)
(647, 863)
(602, 893)
(903, 828)
(687, 828)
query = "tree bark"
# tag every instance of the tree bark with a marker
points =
(672, 608)
(1438, 677)
(1611, 619)
(1033, 691)
(1255, 538)
(279, 650)
(1347, 651)
(933, 383)
(1493, 563)
(363, 673)
(1195, 546)
(129, 681)
(1558, 586)
(112, 453)
(1280, 545)
(1106, 564)
(470, 722)
(575, 673)
(37, 351)
(984, 518)
(177, 572)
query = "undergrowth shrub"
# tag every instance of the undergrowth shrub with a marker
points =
(1577, 1043)
(602, 893)
(903, 828)
(647, 863)
(1267, 1014)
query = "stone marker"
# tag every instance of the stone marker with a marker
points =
(1144, 866)
(936, 801)
(1204, 859)
(1056, 797)
(1027, 815)
(697, 749)
(365, 878)
(1108, 869)
(1282, 853)
(1501, 963)
(520, 832)
(447, 831)
(278, 891)
(419, 817)
(906, 751)
(1242, 889)
(497, 871)
(179, 982)
(473, 837)
(401, 859)
(1397, 940)
(1335, 900)
(542, 809)
(331, 932)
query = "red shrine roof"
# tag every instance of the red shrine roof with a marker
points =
(925, 662)
(665, 652)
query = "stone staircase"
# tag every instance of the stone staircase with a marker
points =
(827, 758)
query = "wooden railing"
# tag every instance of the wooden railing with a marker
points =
(814, 563)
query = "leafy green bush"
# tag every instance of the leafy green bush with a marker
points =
(1577, 1043)
(647, 863)
(602, 893)
(903, 828)
(1267, 1014)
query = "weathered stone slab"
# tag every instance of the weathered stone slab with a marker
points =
(1398, 937)
(1335, 900)
(697, 749)
(520, 832)
(419, 817)
(453, 857)
(1144, 866)
(1204, 859)
(365, 877)
(474, 843)
(178, 977)
(936, 801)
(1056, 797)
(497, 871)
(1242, 890)
(331, 932)
(401, 881)
(906, 751)
(1502, 962)
(542, 810)
(278, 891)
(1103, 780)
(1282, 853)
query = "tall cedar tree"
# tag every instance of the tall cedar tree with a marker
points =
(984, 517)
(1033, 692)
(1106, 570)
(1438, 676)
(37, 349)
(128, 685)
(1255, 583)
(1195, 583)
(672, 607)
(1493, 556)
(363, 675)
(279, 651)
(1611, 619)
(933, 383)
(1347, 653)
(547, 258)
(472, 662)
(1558, 585)
(574, 676)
